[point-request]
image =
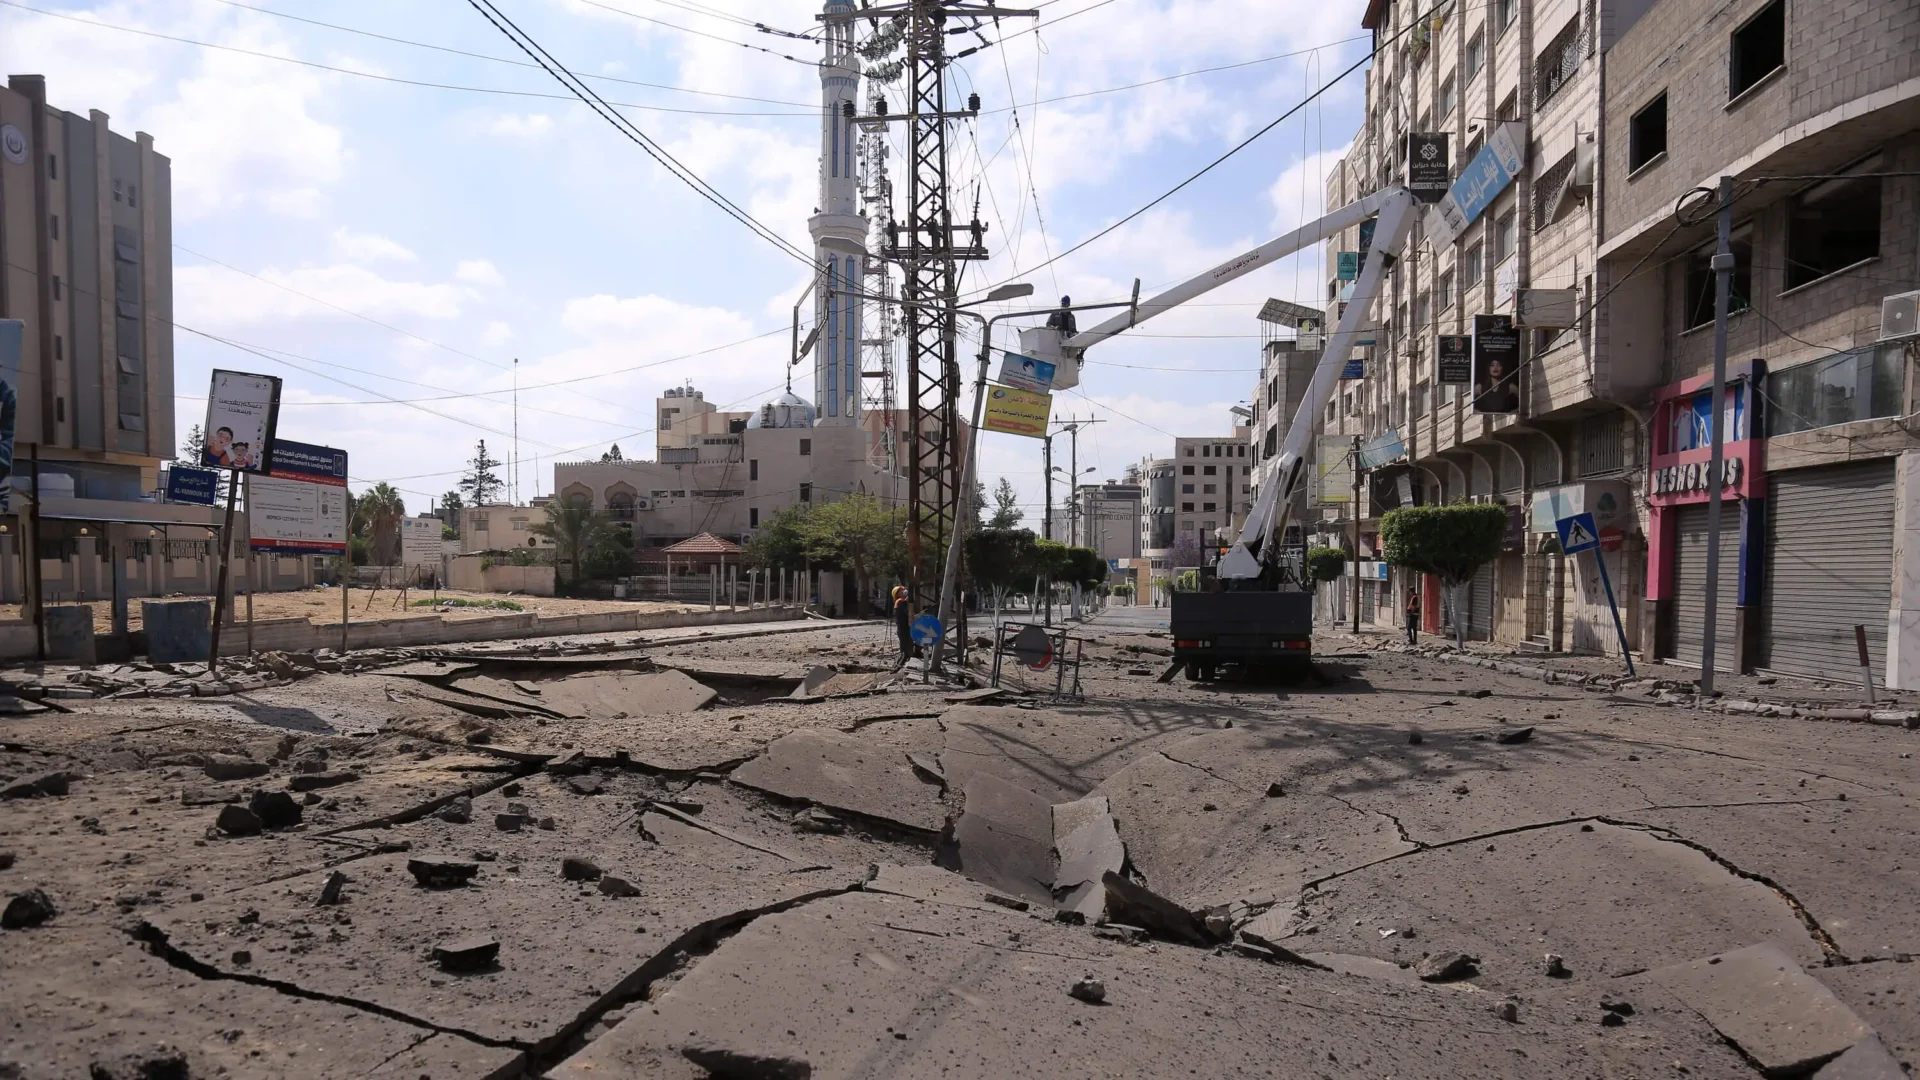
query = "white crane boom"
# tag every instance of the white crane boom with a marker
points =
(1280, 475)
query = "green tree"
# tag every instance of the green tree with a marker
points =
(1325, 564)
(576, 530)
(450, 506)
(1187, 582)
(1006, 506)
(860, 535)
(191, 446)
(481, 483)
(1186, 551)
(781, 542)
(612, 454)
(1085, 568)
(1450, 542)
(383, 508)
(1000, 560)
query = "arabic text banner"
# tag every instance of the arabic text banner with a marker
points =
(1017, 412)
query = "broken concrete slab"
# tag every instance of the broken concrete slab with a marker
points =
(930, 884)
(663, 693)
(276, 809)
(442, 873)
(1868, 1059)
(1137, 905)
(937, 990)
(845, 773)
(1004, 838)
(237, 820)
(1759, 999)
(315, 781)
(1089, 847)
(27, 909)
(474, 952)
(225, 767)
(721, 1063)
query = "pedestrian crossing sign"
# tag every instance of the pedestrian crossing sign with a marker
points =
(1577, 534)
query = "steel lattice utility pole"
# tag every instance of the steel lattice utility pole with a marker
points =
(925, 246)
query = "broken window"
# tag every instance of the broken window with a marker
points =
(1758, 49)
(1833, 225)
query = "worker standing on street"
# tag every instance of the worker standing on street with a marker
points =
(1413, 615)
(901, 624)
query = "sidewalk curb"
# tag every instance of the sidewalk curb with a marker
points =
(1907, 718)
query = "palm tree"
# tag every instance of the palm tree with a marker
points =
(575, 528)
(383, 509)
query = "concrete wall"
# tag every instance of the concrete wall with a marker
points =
(305, 635)
(466, 573)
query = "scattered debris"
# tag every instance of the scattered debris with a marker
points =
(815, 820)
(509, 822)
(457, 812)
(1007, 902)
(618, 886)
(1090, 990)
(1508, 1010)
(475, 952)
(585, 785)
(1609, 1019)
(1555, 966)
(574, 868)
(6, 860)
(1479, 693)
(314, 781)
(1446, 967)
(1275, 791)
(30, 908)
(28, 787)
(441, 873)
(1517, 735)
(1414, 738)
(237, 820)
(276, 809)
(161, 1062)
(573, 764)
(232, 767)
(330, 889)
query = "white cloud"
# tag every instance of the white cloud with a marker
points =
(521, 125)
(478, 272)
(496, 334)
(211, 296)
(368, 247)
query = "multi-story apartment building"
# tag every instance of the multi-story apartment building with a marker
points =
(1158, 501)
(86, 266)
(1812, 109)
(1514, 87)
(1213, 484)
(1105, 517)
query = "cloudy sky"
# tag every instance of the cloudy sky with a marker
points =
(395, 247)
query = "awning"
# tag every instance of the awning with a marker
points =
(116, 511)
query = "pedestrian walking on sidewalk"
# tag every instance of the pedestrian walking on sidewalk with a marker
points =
(1413, 615)
(902, 624)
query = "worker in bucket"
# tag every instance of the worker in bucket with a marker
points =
(902, 623)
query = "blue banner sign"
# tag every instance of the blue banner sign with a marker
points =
(188, 485)
(309, 463)
(1491, 172)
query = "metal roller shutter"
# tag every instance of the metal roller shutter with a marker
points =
(1690, 584)
(1480, 605)
(1829, 566)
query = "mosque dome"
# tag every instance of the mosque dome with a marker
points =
(789, 410)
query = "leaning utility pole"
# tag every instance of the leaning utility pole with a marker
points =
(928, 249)
(1722, 266)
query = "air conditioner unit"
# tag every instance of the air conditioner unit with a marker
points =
(643, 504)
(1900, 316)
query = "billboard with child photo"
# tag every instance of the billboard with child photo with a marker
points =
(242, 410)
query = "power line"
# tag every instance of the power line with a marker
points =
(696, 33)
(369, 74)
(626, 127)
(506, 60)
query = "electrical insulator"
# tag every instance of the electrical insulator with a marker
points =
(846, 109)
(973, 102)
(879, 106)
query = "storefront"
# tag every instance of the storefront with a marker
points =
(1679, 486)
(1829, 567)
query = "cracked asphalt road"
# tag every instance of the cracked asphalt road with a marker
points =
(802, 881)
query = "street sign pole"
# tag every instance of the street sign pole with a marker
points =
(1577, 534)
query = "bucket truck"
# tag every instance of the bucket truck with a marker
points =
(1257, 612)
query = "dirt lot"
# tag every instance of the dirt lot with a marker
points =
(323, 605)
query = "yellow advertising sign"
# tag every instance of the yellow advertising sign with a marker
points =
(1017, 412)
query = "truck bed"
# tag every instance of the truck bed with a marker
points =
(1234, 627)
